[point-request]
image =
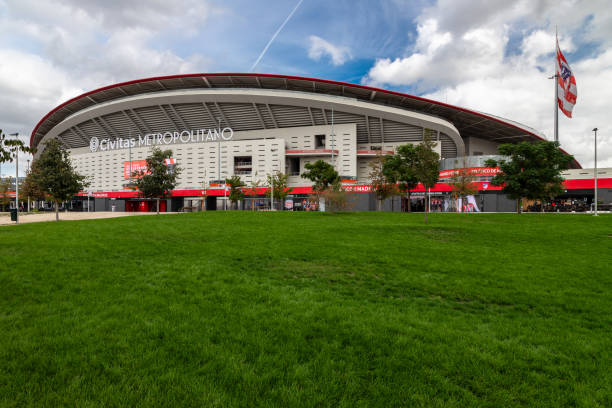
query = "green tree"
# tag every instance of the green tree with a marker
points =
(158, 180)
(5, 198)
(337, 198)
(532, 170)
(322, 174)
(427, 166)
(277, 183)
(383, 182)
(29, 189)
(252, 191)
(236, 193)
(10, 146)
(400, 168)
(53, 175)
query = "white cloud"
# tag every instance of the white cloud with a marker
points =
(319, 48)
(53, 50)
(463, 58)
(441, 58)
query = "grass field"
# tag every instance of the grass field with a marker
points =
(308, 309)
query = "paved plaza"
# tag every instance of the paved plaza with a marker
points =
(24, 218)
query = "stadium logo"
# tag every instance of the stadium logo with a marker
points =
(93, 144)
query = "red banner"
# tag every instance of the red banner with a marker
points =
(474, 171)
(137, 166)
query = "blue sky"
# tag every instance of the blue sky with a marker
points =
(488, 55)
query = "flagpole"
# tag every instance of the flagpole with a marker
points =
(556, 81)
(595, 171)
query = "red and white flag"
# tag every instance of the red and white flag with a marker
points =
(566, 84)
(169, 161)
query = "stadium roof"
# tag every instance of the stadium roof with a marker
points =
(469, 123)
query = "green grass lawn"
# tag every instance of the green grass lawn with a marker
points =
(308, 309)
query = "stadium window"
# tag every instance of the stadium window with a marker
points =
(294, 166)
(243, 164)
(319, 141)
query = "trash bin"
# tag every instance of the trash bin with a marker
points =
(13, 214)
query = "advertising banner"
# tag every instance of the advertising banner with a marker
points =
(470, 205)
(137, 166)
(467, 205)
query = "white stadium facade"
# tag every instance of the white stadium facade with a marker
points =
(251, 125)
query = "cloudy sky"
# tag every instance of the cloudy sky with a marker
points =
(488, 55)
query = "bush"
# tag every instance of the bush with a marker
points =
(337, 199)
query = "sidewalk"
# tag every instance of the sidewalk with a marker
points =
(5, 218)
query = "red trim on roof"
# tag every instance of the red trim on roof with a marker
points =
(279, 76)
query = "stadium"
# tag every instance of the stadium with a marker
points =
(251, 125)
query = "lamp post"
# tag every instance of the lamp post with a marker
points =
(271, 179)
(219, 160)
(595, 170)
(16, 178)
(272, 191)
(26, 176)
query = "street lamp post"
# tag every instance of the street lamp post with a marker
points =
(16, 178)
(219, 161)
(595, 171)
(28, 194)
(271, 180)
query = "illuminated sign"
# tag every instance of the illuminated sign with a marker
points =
(162, 138)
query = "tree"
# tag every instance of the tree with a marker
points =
(29, 188)
(324, 177)
(462, 182)
(5, 198)
(236, 193)
(400, 167)
(277, 183)
(158, 180)
(8, 148)
(322, 174)
(252, 191)
(427, 166)
(383, 183)
(532, 170)
(337, 198)
(53, 175)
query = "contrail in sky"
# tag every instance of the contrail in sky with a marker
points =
(274, 36)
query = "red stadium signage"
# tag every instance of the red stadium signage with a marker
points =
(474, 171)
(362, 188)
(137, 166)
